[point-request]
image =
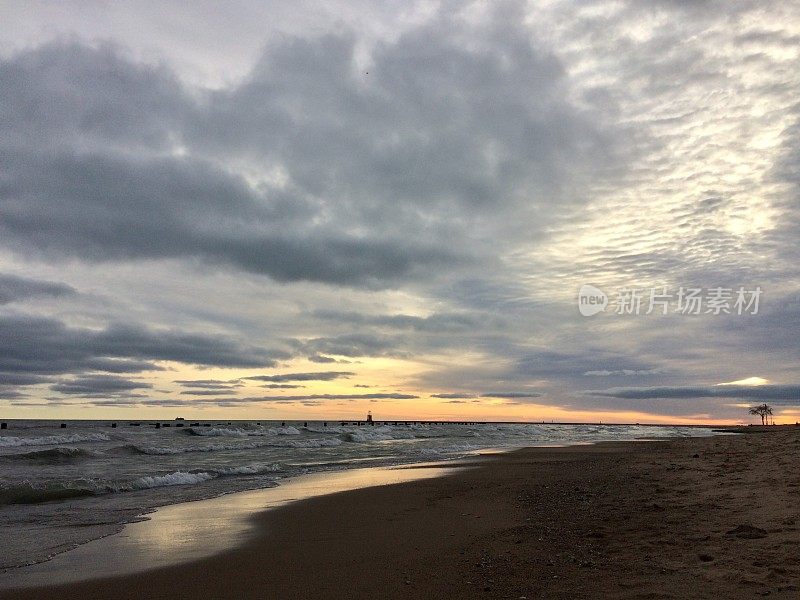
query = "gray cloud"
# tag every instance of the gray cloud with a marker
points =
(355, 345)
(208, 392)
(315, 376)
(436, 323)
(121, 365)
(37, 348)
(511, 395)
(117, 208)
(307, 399)
(48, 346)
(623, 372)
(376, 396)
(94, 385)
(210, 384)
(552, 364)
(282, 386)
(14, 289)
(318, 358)
(146, 168)
(22, 379)
(476, 397)
(781, 393)
(164, 402)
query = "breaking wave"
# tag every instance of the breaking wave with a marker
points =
(28, 493)
(173, 450)
(177, 478)
(52, 440)
(237, 432)
(188, 478)
(51, 455)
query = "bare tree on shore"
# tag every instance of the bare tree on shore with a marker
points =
(763, 411)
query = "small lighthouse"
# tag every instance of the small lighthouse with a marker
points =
(369, 418)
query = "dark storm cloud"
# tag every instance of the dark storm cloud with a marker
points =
(22, 379)
(11, 382)
(105, 159)
(93, 385)
(104, 207)
(9, 394)
(14, 289)
(129, 340)
(34, 346)
(783, 393)
(316, 376)
(100, 203)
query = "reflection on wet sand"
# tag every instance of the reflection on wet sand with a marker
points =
(185, 532)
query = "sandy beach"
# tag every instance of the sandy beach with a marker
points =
(690, 518)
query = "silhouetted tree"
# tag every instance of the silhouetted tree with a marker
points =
(762, 410)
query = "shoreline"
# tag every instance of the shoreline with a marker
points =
(627, 519)
(185, 423)
(154, 461)
(173, 535)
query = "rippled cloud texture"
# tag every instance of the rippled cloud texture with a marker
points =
(268, 207)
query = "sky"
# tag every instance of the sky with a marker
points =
(302, 210)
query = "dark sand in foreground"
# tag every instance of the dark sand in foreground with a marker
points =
(691, 518)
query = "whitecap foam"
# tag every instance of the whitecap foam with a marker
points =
(285, 430)
(177, 478)
(51, 440)
(363, 437)
(190, 478)
(255, 469)
(242, 432)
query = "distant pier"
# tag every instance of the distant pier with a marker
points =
(160, 424)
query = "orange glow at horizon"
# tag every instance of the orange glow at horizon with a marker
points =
(371, 376)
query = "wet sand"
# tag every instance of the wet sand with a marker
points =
(190, 531)
(692, 518)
